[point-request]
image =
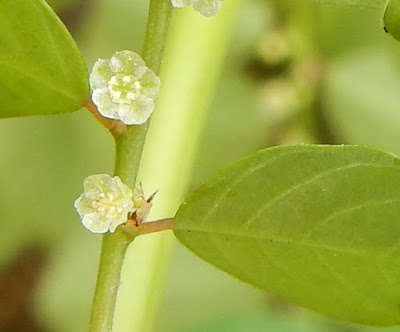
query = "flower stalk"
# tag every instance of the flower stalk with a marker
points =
(116, 127)
(149, 227)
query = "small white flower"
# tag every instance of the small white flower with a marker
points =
(204, 7)
(124, 88)
(105, 203)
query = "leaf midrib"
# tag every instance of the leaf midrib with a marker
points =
(275, 238)
(303, 242)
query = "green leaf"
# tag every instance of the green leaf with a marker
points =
(391, 18)
(314, 225)
(355, 3)
(60, 5)
(41, 69)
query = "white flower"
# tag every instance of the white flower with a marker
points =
(205, 7)
(105, 203)
(124, 88)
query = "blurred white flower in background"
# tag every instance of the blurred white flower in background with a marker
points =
(204, 7)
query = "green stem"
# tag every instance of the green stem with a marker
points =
(160, 13)
(129, 147)
(112, 256)
(193, 60)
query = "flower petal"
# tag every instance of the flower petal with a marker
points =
(95, 223)
(124, 88)
(150, 84)
(207, 7)
(101, 74)
(105, 105)
(127, 62)
(181, 3)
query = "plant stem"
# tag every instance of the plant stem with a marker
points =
(112, 256)
(116, 127)
(193, 59)
(160, 13)
(149, 227)
(156, 226)
(129, 147)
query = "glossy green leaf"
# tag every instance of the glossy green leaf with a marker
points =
(41, 69)
(355, 3)
(318, 226)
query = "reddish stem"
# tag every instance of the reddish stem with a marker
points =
(116, 127)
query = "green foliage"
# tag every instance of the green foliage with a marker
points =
(355, 114)
(356, 3)
(253, 322)
(60, 5)
(357, 111)
(41, 69)
(391, 19)
(314, 225)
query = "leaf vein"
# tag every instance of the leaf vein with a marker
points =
(240, 178)
(346, 209)
(303, 183)
(345, 282)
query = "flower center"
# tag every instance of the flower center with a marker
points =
(106, 204)
(124, 88)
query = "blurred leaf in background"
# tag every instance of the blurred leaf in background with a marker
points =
(362, 99)
(61, 5)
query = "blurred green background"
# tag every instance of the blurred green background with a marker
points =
(296, 72)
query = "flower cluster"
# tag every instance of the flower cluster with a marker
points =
(107, 203)
(204, 7)
(124, 88)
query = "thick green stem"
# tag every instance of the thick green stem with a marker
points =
(129, 147)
